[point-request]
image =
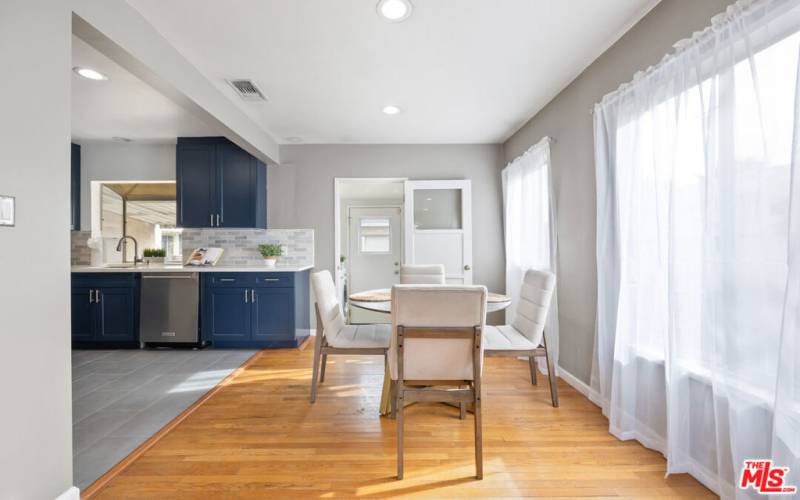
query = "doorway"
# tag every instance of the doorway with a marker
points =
(369, 239)
(382, 223)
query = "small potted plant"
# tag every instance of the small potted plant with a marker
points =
(154, 255)
(270, 252)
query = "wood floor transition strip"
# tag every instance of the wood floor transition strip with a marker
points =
(123, 464)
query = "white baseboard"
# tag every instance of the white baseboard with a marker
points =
(73, 493)
(579, 385)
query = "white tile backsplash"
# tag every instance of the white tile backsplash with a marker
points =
(81, 253)
(241, 245)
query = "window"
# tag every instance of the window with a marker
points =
(696, 184)
(169, 238)
(145, 211)
(437, 209)
(375, 236)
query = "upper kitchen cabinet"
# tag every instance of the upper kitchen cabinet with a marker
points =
(75, 188)
(219, 185)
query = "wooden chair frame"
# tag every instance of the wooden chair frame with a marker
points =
(322, 350)
(532, 354)
(424, 390)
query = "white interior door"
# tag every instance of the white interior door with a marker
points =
(375, 250)
(438, 226)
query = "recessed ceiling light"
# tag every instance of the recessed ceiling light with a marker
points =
(394, 10)
(89, 73)
(121, 139)
(391, 110)
(294, 139)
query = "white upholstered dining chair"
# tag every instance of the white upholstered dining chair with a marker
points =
(436, 351)
(422, 274)
(525, 335)
(334, 336)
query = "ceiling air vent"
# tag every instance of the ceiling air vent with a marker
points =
(247, 90)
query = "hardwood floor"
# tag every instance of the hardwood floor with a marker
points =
(258, 436)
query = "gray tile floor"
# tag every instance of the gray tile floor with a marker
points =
(120, 398)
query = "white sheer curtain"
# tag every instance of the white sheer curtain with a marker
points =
(697, 255)
(530, 230)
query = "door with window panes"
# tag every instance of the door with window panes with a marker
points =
(438, 227)
(375, 253)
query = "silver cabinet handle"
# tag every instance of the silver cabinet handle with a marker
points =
(227, 280)
(245, 296)
(212, 219)
(467, 268)
(170, 277)
(253, 296)
(271, 280)
(97, 296)
(217, 220)
(90, 296)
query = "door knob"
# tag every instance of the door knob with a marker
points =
(467, 268)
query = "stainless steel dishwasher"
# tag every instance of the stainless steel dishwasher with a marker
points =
(170, 309)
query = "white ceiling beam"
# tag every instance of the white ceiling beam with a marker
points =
(117, 30)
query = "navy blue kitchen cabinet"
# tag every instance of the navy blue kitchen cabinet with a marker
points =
(272, 313)
(229, 314)
(82, 313)
(219, 185)
(196, 173)
(255, 309)
(75, 188)
(105, 309)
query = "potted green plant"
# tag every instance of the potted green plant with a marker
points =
(154, 255)
(270, 252)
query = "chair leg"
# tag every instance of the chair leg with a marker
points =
(532, 366)
(400, 409)
(322, 369)
(551, 375)
(393, 397)
(478, 435)
(462, 410)
(315, 372)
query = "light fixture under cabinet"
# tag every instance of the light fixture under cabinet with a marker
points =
(394, 10)
(89, 73)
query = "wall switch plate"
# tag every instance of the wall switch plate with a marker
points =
(7, 216)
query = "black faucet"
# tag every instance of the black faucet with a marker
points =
(135, 248)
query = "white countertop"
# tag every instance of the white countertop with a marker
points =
(177, 268)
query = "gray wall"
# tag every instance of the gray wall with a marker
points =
(568, 119)
(300, 193)
(35, 372)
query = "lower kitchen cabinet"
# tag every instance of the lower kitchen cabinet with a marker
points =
(228, 315)
(273, 313)
(255, 309)
(105, 309)
(83, 313)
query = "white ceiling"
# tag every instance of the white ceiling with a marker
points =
(123, 105)
(462, 71)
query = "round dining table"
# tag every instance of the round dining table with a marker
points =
(380, 300)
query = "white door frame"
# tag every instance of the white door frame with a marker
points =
(337, 218)
(466, 218)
